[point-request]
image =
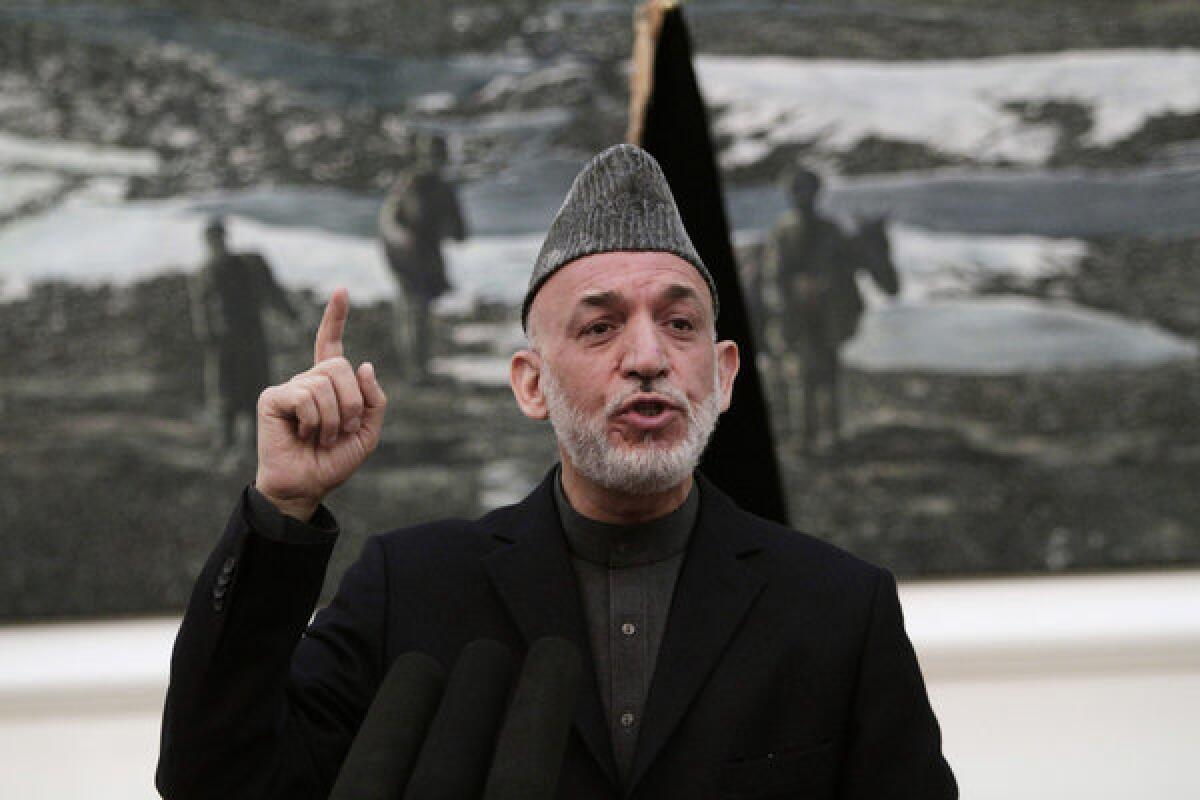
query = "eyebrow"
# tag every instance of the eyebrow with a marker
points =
(607, 299)
(677, 291)
(611, 298)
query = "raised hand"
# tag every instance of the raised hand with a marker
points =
(315, 430)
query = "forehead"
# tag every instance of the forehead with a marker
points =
(635, 275)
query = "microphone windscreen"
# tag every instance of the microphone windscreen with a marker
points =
(529, 752)
(382, 756)
(454, 760)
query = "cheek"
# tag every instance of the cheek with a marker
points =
(585, 387)
(703, 376)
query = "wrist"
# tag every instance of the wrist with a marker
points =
(299, 508)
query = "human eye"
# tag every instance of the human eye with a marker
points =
(681, 324)
(598, 328)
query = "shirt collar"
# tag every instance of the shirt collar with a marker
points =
(612, 545)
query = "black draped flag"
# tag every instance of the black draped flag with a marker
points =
(669, 120)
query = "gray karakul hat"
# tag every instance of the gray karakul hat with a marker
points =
(620, 200)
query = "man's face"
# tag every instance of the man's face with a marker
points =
(626, 367)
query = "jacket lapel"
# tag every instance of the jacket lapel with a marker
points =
(536, 581)
(713, 593)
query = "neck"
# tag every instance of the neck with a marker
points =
(605, 505)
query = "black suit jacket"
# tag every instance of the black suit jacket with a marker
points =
(784, 670)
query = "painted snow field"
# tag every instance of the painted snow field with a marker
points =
(956, 107)
(934, 263)
(122, 242)
(18, 187)
(89, 159)
(1000, 335)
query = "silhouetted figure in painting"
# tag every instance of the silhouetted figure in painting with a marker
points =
(420, 212)
(813, 264)
(229, 294)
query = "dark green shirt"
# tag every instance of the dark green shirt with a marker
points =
(626, 578)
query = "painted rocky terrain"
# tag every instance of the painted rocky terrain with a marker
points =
(1027, 404)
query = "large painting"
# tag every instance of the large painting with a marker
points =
(967, 231)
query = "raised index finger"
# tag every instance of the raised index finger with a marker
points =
(333, 325)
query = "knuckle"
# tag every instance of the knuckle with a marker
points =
(322, 389)
(333, 364)
(306, 393)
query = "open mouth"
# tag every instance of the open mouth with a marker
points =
(647, 414)
(649, 408)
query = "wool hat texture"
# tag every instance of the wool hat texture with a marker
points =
(620, 200)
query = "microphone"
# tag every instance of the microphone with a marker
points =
(384, 751)
(454, 759)
(529, 752)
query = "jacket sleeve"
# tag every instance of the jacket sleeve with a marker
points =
(895, 744)
(258, 707)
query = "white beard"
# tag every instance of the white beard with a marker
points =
(641, 468)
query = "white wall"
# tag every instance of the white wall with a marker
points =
(1079, 687)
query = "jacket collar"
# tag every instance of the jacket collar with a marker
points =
(713, 593)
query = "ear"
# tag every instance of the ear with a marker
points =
(728, 361)
(525, 378)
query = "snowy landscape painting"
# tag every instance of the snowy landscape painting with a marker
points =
(1023, 402)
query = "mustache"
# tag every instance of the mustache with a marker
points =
(677, 398)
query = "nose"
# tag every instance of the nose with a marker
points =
(645, 358)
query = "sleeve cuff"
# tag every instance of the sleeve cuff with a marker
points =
(270, 523)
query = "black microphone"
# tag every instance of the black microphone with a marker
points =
(454, 759)
(529, 752)
(382, 756)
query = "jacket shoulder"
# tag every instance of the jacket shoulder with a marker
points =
(791, 543)
(443, 537)
(784, 552)
(457, 535)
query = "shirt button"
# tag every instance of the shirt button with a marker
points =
(627, 719)
(629, 629)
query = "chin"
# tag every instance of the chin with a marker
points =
(636, 483)
(650, 442)
(640, 469)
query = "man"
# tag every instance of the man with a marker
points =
(229, 294)
(815, 298)
(421, 210)
(731, 657)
